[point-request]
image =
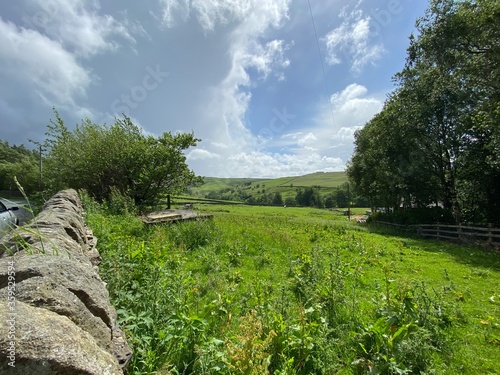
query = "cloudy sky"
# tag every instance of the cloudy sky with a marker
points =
(270, 90)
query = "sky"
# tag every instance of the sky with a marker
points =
(272, 88)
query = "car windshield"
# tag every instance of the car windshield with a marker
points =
(2, 207)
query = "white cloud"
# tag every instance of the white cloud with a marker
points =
(263, 164)
(219, 145)
(320, 145)
(331, 132)
(351, 92)
(350, 109)
(305, 141)
(266, 58)
(211, 13)
(351, 41)
(47, 55)
(347, 134)
(353, 108)
(231, 96)
(173, 10)
(29, 57)
(201, 154)
(228, 100)
(78, 27)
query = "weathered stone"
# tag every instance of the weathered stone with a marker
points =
(42, 292)
(54, 260)
(92, 253)
(48, 343)
(75, 275)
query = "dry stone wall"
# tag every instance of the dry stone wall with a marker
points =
(55, 313)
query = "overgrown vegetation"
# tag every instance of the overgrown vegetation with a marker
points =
(263, 290)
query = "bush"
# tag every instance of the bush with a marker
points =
(411, 327)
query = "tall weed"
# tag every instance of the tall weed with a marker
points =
(410, 330)
(192, 234)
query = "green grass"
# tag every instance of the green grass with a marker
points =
(297, 291)
(325, 180)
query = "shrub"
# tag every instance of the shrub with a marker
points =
(410, 329)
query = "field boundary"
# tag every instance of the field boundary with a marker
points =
(484, 236)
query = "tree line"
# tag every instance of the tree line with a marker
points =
(436, 141)
(341, 197)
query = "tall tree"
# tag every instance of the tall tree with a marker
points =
(462, 40)
(437, 137)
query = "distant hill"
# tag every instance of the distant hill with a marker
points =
(243, 188)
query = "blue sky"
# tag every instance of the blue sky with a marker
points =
(245, 75)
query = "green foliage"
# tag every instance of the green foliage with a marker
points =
(409, 331)
(117, 160)
(192, 235)
(120, 204)
(295, 291)
(309, 197)
(436, 139)
(19, 162)
(277, 199)
(345, 196)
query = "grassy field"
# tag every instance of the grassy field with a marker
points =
(287, 186)
(271, 290)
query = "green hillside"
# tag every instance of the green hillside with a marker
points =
(215, 184)
(244, 188)
(322, 179)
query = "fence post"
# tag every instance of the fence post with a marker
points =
(490, 234)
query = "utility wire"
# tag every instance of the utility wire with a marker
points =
(321, 61)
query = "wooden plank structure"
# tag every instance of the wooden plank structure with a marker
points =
(486, 236)
(172, 216)
(478, 235)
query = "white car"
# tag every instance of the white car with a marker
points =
(7, 218)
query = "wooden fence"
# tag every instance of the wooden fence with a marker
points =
(485, 236)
